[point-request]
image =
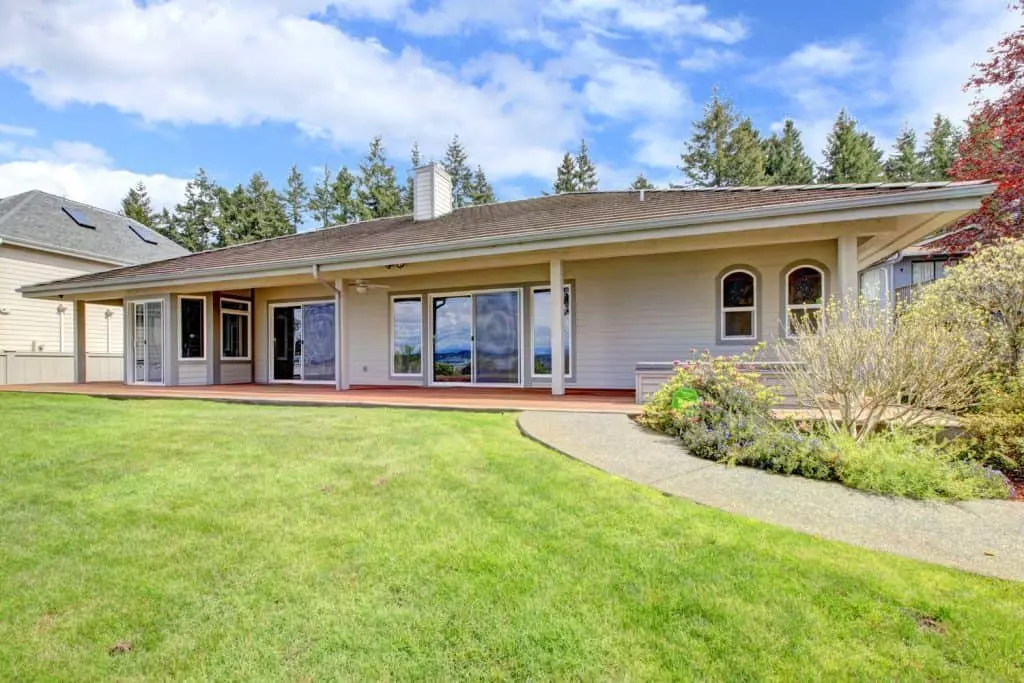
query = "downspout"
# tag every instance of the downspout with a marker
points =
(326, 283)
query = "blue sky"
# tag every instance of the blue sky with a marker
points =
(97, 94)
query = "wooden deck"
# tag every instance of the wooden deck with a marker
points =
(441, 398)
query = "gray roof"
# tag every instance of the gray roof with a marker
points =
(38, 219)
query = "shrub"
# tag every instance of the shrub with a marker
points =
(915, 465)
(995, 433)
(784, 449)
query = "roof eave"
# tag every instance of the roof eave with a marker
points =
(63, 251)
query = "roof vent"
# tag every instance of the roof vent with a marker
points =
(79, 217)
(432, 192)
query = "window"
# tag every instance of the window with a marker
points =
(872, 284)
(805, 293)
(739, 307)
(542, 351)
(192, 328)
(922, 272)
(79, 217)
(234, 329)
(407, 335)
(143, 233)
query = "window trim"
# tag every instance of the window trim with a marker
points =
(196, 359)
(802, 307)
(391, 337)
(569, 369)
(248, 327)
(922, 262)
(722, 309)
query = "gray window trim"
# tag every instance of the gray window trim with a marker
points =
(720, 338)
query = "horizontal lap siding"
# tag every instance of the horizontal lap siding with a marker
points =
(235, 373)
(193, 374)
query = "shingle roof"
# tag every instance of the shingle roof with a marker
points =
(528, 219)
(39, 218)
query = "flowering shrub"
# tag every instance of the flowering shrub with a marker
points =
(995, 434)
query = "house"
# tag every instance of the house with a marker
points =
(895, 278)
(45, 237)
(571, 290)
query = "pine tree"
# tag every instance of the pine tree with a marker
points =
(785, 162)
(378, 193)
(456, 162)
(480, 190)
(565, 177)
(904, 164)
(321, 201)
(233, 220)
(347, 207)
(250, 213)
(705, 160)
(410, 183)
(194, 219)
(296, 198)
(642, 183)
(137, 205)
(165, 224)
(850, 154)
(941, 149)
(744, 156)
(586, 172)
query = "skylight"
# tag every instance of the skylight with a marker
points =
(144, 234)
(79, 217)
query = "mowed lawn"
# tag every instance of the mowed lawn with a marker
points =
(230, 542)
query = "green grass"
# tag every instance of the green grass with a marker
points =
(262, 543)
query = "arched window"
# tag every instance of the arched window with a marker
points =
(739, 305)
(805, 296)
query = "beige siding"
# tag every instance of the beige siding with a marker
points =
(191, 374)
(36, 325)
(235, 373)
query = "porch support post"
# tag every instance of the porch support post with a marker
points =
(341, 379)
(557, 344)
(80, 346)
(846, 271)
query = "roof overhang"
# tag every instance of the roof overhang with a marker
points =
(955, 199)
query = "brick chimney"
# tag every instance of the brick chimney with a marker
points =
(432, 192)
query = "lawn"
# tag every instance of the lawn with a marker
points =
(230, 542)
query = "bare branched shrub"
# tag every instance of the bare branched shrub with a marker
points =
(858, 364)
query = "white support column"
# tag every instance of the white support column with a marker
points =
(80, 345)
(846, 270)
(341, 365)
(557, 344)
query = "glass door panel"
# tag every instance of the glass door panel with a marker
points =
(496, 338)
(287, 321)
(318, 347)
(453, 339)
(154, 342)
(139, 343)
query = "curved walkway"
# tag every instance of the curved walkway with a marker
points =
(986, 537)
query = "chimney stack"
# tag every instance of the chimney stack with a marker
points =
(432, 192)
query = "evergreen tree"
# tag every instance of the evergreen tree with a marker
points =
(250, 213)
(194, 220)
(378, 193)
(785, 162)
(296, 198)
(347, 207)
(137, 205)
(165, 224)
(565, 176)
(904, 164)
(586, 172)
(941, 149)
(456, 162)
(642, 183)
(850, 154)
(322, 203)
(410, 186)
(480, 190)
(233, 220)
(744, 156)
(705, 160)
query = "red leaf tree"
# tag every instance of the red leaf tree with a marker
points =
(994, 146)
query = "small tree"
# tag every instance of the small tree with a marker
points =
(858, 365)
(565, 176)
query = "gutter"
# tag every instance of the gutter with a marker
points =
(370, 258)
(326, 283)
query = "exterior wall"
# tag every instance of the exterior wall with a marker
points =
(186, 371)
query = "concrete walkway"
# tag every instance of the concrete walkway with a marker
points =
(986, 537)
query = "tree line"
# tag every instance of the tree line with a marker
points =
(210, 215)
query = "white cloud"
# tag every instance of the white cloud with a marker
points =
(16, 131)
(828, 60)
(704, 59)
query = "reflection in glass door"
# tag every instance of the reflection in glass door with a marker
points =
(303, 344)
(147, 342)
(477, 338)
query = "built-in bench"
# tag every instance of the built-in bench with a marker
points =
(650, 376)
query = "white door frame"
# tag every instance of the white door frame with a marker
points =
(270, 341)
(132, 346)
(520, 331)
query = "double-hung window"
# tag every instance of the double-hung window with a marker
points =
(739, 305)
(805, 294)
(235, 329)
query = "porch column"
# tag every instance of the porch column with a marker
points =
(341, 380)
(557, 344)
(846, 270)
(80, 345)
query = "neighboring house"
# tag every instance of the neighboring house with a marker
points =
(896, 278)
(44, 237)
(464, 297)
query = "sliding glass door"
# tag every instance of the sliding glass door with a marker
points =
(477, 338)
(303, 342)
(147, 342)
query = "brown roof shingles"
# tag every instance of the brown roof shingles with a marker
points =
(529, 217)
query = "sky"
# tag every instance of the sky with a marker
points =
(96, 95)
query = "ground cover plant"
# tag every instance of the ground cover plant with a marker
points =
(155, 540)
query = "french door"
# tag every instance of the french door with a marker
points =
(303, 342)
(147, 342)
(477, 338)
